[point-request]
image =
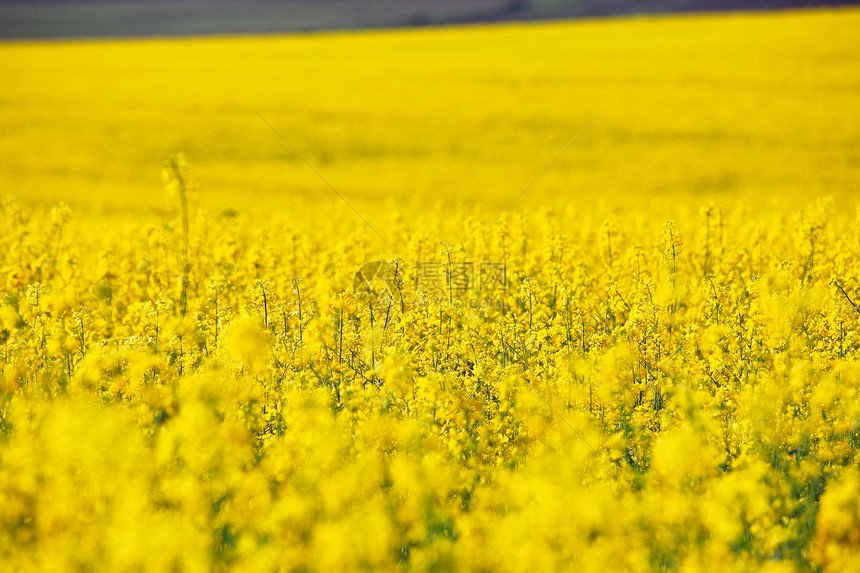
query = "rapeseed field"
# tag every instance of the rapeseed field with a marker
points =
(570, 296)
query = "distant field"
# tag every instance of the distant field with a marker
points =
(750, 106)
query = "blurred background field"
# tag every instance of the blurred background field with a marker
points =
(760, 107)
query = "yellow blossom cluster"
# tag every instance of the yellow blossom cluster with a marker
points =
(648, 360)
(628, 394)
